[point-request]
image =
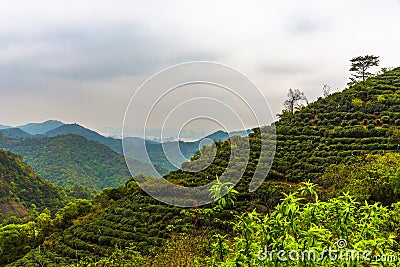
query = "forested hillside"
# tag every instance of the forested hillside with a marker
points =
(21, 190)
(15, 133)
(69, 160)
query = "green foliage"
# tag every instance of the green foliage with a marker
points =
(15, 241)
(373, 178)
(182, 250)
(223, 193)
(301, 225)
(357, 102)
(66, 215)
(21, 190)
(70, 160)
(284, 114)
(380, 98)
(127, 257)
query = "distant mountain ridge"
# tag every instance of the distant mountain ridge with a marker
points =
(41, 127)
(4, 126)
(156, 153)
(34, 129)
(149, 152)
(114, 144)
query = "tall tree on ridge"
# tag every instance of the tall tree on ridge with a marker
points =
(360, 66)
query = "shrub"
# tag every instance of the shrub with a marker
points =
(303, 223)
(357, 102)
(385, 119)
(353, 122)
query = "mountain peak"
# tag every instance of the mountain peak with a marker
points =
(40, 127)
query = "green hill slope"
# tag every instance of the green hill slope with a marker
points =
(360, 120)
(114, 144)
(20, 187)
(15, 133)
(73, 160)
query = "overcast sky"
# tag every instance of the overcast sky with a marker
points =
(81, 61)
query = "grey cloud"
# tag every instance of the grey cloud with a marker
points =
(284, 68)
(107, 52)
(196, 55)
(91, 53)
(304, 25)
